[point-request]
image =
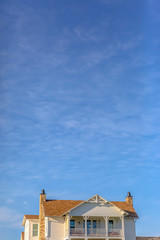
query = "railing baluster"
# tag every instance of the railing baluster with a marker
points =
(98, 232)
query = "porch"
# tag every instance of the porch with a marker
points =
(88, 228)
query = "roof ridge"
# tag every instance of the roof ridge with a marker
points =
(63, 200)
(31, 214)
(59, 207)
(47, 200)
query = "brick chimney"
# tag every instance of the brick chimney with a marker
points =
(129, 198)
(42, 216)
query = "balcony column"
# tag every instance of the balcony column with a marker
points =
(123, 234)
(68, 226)
(106, 226)
(69, 217)
(85, 219)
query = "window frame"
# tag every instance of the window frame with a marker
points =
(72, 226)
(110, 225)
(35, 232)
(94, 224)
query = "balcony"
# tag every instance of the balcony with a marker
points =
(115, 232)
(93, 227)
(77, 232)
(94, 232)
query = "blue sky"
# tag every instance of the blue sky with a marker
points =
(79, 105)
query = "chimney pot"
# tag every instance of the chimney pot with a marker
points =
(129, 194)
(129, 198)
(43, 191)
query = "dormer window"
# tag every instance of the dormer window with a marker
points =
(35, 230)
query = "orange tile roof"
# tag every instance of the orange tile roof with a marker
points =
(126, 207)
(60, 207)
(29, 217)
(22, 235)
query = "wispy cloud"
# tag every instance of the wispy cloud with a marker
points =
(93, 57)
(10, 218)
(10, 200)
(111, 1)
(79, 100)
(85, 34)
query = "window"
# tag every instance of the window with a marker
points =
(110, 225)
(88, 227)
(94, 226)
(94, 223)
(72, 223)
(88, 223)
(35, 230)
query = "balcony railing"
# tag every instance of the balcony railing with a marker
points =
(98, 232)
(95, 232)
(115, 232)
(77, 231)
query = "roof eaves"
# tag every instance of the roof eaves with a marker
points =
(118, 208)
(24, 221)
(29, 218)
(130, 212)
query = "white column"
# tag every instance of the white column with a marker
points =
(46, 226)
(68, 226)
(123, 233)
(29, 230)
(85, 226)
(106, 226)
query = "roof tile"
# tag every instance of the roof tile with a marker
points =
(22, 235)
(59, 207)
(126, 207)
(29, 217)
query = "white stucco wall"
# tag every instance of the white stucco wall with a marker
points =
(31, 222)
(56, 228)
(129, 226)
(26, 230)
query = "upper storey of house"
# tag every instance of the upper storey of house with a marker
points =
(95, 206)
(74, 219)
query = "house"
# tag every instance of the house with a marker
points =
(93, 219)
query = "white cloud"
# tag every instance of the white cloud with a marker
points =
(10, 218)
(85, 34)
(9, 200)
(110, 1)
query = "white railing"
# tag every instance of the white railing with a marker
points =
(90, 232)
(77, 231)
(115, 232)
(98, 232)
(94, 232)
